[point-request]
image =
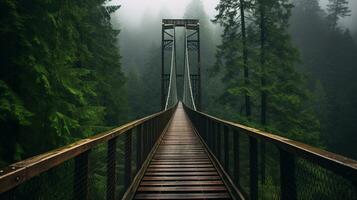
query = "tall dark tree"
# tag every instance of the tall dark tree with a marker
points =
(58, 83)
(284, 105)
(262, 6)
(327, 56)
(337, 9)
(242, 8)
(232, 55)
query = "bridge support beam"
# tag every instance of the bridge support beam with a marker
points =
(253, 165)
(80, 190)
(287, 176)
(236, 146)
(193, 43)
(111, 166)
(139, 147)
(127, 159)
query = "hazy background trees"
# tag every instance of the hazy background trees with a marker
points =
(50, 97)
(317, 73)
(328, 59)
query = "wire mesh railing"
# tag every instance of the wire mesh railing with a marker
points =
(187, 97)
(99, 167)
(260, 165)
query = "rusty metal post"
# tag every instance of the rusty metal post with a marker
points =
(139, 148)
(226, 147)
(81, 176)
(213, 136)
(127, 161)
(157, 132)
(253, 164)
(204, 128)
(207, 131)
(145, 137)
(287, 176)
(218, 141)
(262, 161)
(111, 163)
(151, 134)
(236, 170)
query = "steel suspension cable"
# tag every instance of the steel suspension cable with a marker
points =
(188, 98)
(171, 98)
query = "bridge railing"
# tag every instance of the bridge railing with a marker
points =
(260, 165)
(99, 167)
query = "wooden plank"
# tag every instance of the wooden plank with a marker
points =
(184, 196)
(180, 183)
(200, 173)
(180, 178)
(182, 189)
(181, 168)
(183, 160)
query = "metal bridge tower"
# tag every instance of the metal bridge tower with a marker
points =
(193, 44)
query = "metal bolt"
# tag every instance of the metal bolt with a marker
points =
(1, 171)
(17, 178)
(13, 168)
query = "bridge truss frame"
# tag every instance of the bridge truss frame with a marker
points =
(193, 44)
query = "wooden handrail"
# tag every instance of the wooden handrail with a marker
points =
(17, 173)
(341, 165)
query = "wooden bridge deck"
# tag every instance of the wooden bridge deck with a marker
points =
(181, 168)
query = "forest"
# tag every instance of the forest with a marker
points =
(72, 69)
(310, 94)
(303, 85)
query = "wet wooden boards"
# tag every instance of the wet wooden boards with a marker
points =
(181, 168)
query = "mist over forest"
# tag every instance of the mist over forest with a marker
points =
(257, 99)
(326, 61)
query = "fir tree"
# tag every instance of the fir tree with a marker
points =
(284, 100)
(60, 76)
(337, 9)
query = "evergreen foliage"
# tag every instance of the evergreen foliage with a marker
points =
(271, 63)
(328, 57)
(60, 75)
(337, 9)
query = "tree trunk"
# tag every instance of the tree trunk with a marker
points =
(245, 58)
(262, 62)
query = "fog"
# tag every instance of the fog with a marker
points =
(348, 22)
(132, 12)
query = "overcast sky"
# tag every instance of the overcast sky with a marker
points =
(351, 21)
(135, 10)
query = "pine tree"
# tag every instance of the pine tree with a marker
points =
(284, 105)
(242, 8)
(337, 9)
(60, 76)
(327, 57)
(232, 54)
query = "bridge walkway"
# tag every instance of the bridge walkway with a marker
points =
(181, 167)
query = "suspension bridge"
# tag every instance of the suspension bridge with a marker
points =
(182, 153)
